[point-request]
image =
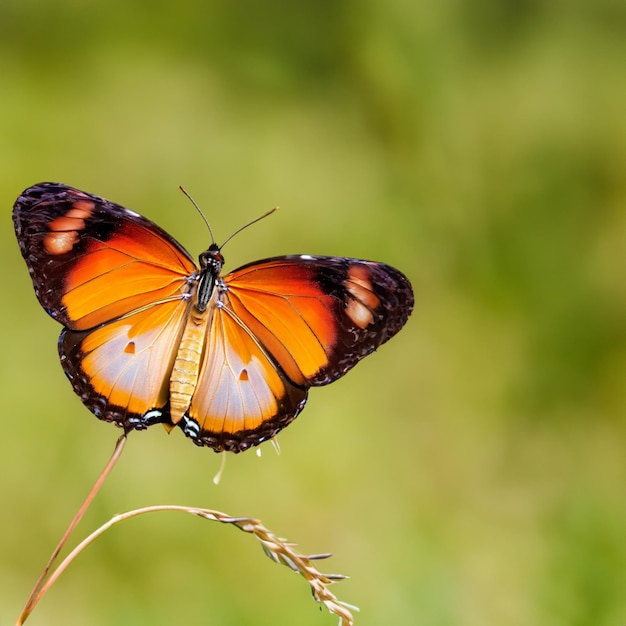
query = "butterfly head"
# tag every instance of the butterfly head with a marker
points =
(211, 260)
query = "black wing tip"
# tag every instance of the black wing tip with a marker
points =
(50, 192)
(38, 190)
(396, 300)
(399, 300)
(46, 193)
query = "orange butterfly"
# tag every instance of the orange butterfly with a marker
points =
(151, 338)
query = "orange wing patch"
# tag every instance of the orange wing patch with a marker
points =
(360, 309)
(120, 275)
(289, 315)
(65, 230)
(285, 327)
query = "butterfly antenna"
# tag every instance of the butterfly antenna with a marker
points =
(254, 221)
(206, 221)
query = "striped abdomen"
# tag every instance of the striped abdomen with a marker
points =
(185, 372)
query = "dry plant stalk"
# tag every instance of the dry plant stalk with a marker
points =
(281, 551)
(278, 549)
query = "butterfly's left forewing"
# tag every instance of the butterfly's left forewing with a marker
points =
(91, 260)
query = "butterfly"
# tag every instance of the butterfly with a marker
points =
(152, 337)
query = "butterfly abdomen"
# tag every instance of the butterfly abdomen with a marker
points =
(184, 376)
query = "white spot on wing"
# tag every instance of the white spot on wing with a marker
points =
(364, 300)
(359, 314)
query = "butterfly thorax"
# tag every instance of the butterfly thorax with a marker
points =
(211, 262)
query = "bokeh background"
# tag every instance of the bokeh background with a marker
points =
(470, 472)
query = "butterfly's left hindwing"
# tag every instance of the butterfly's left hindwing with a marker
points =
(121, 370)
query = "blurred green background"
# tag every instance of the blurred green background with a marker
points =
(470, 472)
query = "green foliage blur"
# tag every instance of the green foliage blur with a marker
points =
(470, 472)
